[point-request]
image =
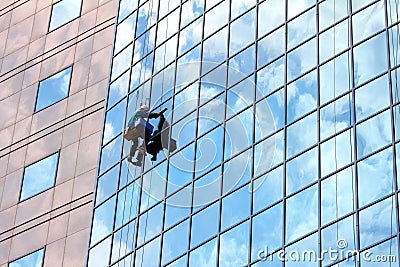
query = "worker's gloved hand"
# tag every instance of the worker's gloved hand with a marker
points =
(162, 111)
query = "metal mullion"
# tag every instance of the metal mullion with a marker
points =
(251, 182)
(354, 141)
(320, 246)
(395, 188)
(285, 99)
(197, 122)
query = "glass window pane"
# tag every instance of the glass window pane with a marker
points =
(180, 170)
(243, 63)
(302, 59)
(175, 242)
(127, 204)
(216, 18)
(268, 153)
(34, 259)
(368, 21)
(309, 244)
(242, 32)
(239, 7)
(53, 89)
(302, 96)
(207, 188)
(336, 39)
(204, 255)
(373, 50)
(63, 12)
(267, 189)
(107, 184)
(114, 122)
(337, 152)
(379, 165)
(334, 78)
(235, 240)
(99, 255)
(372, 97)
(126, 7)
(39, 176)
(377, 222)
(122, 62)
(177, 207)
(211, 114)
(386, 254)
(271, 46)
(302, 213)
(274, 10)
(373, 134)
(125, 32)
(332, 12)
(301, 135)
(118, 89)
(103, 220)
(124, 241)
(301, 171)
(267, 230)
(301, 28)
(111, 153)
(207, 217)
(337, 195)
(237, 171)
(149, 254)
(271, 78)
(191, 35)
(215, 47)
(150, 224)
(295, 7)
(235, 207)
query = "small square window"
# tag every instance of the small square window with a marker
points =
(53, 89)
(39, 176)
(34, 259)
(63, 12)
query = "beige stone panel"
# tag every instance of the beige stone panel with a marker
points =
(103, 38)
(99, 67)
(34, 206)
(43, 147)
(79, 219)
(63, 194)
(50, 115)
(87, 22)
(8, 110)
(84, 48)
(80, 75)
(14, 61)
(23, 11)
(6, 136)
(27, 103)
(3, 39)
(97, 92)
(31, 77)
(41, 22)
(57, 63)
(92, 123)
(36, 48)
(11, 85)
(67, 163)
(5, 247)
(5, 20)
(88, 6)
(61, 35)
(87, 154)
(19, 35)
(17, 159)
(7, 218)
(54, 254)
(76, 249)
(11, 189)
(71, 133)
(76, 102)
(21, 132)
(3, 164)
(58, 228)
(6, 4)
(2, 181)
(107, 11)
(43, 4)
(19, 246)
(84, 184)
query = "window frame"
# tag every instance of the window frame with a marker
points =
(54, 180)
(49, 30)
(59, 100)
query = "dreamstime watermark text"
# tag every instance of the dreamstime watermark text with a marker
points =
(332, 254)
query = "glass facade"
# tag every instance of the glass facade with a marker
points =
(285, 115)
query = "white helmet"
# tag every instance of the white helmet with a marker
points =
(145, 108)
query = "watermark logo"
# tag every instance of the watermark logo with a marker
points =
(340, 252)
(199, 108)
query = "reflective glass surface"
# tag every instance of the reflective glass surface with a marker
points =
(34, 259)
(39, 176)
(281, 126)
(53, 89)
(63, 12)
